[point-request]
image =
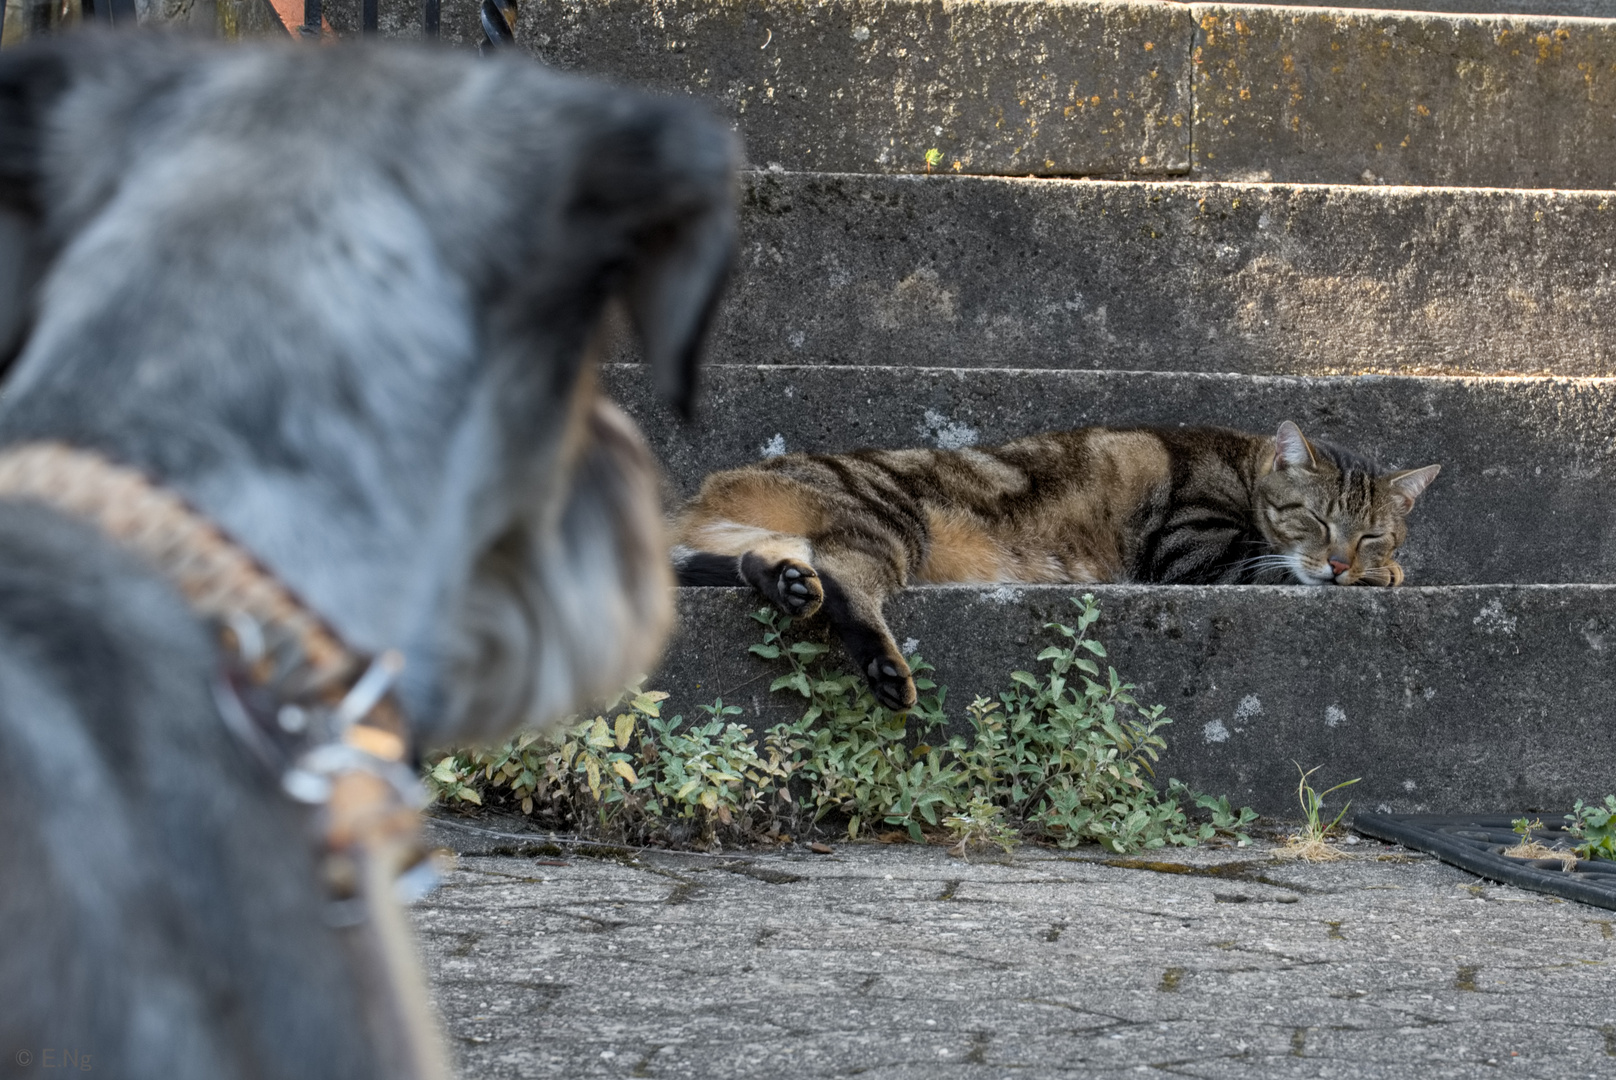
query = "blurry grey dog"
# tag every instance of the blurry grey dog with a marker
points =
(341, 302)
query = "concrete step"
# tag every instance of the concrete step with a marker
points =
(1111, 88)
(989, 272)
(1527, 463)
(1461, 698)
(1009, 86)
(1585, 9)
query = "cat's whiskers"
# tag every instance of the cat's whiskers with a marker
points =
(1270, 563)
(1377, 575)
(1270, 559)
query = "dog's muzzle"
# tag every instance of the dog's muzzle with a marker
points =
(318, 715)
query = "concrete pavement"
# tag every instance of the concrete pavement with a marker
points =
(900, 961)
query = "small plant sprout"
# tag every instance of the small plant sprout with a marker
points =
(1226, 821)
(1524, 828)
(934, 158)
(1312, 843)
(1528, 848)
(978, 825)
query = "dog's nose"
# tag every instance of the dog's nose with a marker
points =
(1339, 566)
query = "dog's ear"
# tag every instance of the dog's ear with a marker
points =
(67, 107)
(32, 80)
(672, 291)
(664, 173)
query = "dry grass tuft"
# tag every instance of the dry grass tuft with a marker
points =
(1535, 850)
(1309, 849)
(1310, 844)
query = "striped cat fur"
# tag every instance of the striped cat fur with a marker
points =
(1192, 505)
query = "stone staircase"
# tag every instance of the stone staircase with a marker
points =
(970, 221)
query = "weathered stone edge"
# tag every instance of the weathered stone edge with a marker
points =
(1171, 276)
(1286, 93)
(1456, 698)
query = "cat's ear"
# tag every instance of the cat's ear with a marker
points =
(1291, 449)
(1407, 485)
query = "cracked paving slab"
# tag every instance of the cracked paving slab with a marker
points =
(900, 962)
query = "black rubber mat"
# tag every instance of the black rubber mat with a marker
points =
(1476, 843)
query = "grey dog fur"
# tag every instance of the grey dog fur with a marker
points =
(342, 299)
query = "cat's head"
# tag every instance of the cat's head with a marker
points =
(1330, 517)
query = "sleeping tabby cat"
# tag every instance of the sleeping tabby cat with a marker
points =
(1204, 505)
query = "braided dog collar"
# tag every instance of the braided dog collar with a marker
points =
(311, 709)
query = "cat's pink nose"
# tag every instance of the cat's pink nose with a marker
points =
(1339, 566)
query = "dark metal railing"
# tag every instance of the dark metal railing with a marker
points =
(41, 16)
(111, 12)
(497, 31)
(496, 20)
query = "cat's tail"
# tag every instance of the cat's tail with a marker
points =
(704, 568)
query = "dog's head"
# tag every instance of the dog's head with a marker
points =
(343, 299)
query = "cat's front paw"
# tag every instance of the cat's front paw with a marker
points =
(1388, 576)
(890, 682)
